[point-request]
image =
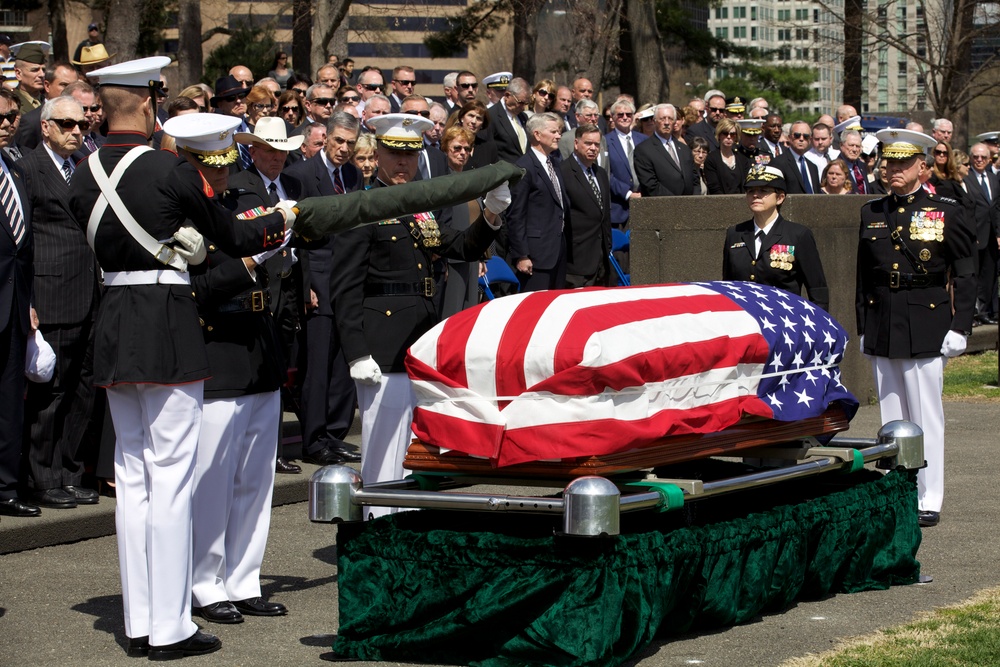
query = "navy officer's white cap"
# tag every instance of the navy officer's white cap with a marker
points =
(498, 80)
(399, 131)
(904, 144)
(852, 123)
(988, 137)
(208, 136)
(133, 73)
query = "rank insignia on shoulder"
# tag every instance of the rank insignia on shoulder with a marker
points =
(946, 200)
(738, 244)
(877, 224)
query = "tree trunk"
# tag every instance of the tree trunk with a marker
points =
(525, 25)
(328, 16)
(644, 68)
(853, 17)
(953, 96)
(57, 24)
(301, 35)
(189, 58)
(121, 36)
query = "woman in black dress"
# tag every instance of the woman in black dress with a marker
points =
(726, 168)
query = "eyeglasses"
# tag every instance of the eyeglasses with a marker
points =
(467, 86)
(543, 93)
(716, 109)
(423, 112)
(980, 157)
(941, 153)
(801, 135)
(520, 102)
(10, 116)
(404, 82)
(350, 99)
(234, 98)
(295, 107)
(93, 108)
(459, 149)
(624, 114)
(323, 101)
(68, 124)
(261, 106)
(373, 86)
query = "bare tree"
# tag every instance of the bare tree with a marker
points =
(326, 19)
(57, 26)
(644, 68)
(189, 41)
(121, 36)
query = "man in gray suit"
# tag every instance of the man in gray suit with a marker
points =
(65, 299)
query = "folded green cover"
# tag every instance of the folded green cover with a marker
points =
(319, 216)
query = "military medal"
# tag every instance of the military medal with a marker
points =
(782, 256)
(927, 225)
(428, 229)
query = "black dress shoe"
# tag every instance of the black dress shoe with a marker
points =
(81, 495)
(988, 320)
(219, 612)
(138, 647)
(258, 607)
(283, 466)
(17, 507)
(199, 643)
(927, 519)
(53, 498)
(331, 455)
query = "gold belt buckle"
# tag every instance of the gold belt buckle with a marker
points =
(165, 255)
(894, 279)
(257, 301)
(429, 287)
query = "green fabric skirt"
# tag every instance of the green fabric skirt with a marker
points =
(492, 590)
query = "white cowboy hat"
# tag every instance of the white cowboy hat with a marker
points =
(270, 131)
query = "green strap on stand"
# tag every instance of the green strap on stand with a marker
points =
(671, 495)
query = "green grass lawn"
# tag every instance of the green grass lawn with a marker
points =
(972, 377)
(963, 635)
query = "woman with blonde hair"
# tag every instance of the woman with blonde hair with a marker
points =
(726, 168)
(201, 94)
(364, 159)
(834, 180)
(542, 97)
(461, 289)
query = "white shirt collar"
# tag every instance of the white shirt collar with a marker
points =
(58, 160)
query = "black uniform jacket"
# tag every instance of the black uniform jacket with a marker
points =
(394, 255)
(241, 337)
(150, 333)
(902, 311)
(788, 259)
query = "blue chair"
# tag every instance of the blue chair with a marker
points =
(498, 271)
(620, 242)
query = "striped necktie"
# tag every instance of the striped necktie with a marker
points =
(67, 170)
(593, 184)
(11, 207)
(338, 182)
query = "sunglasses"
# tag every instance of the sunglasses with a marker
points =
(234, 98)
(467, 86)
(262, 107)
(94, 108)
(423, 112)
(965, 164)
(716, 109)
(405, 82)
(350, 99)
(295, 107)
(980, 157)
(459, 149)
(323, 101)
(623, 114)
(68, 124)
(727, 134)
(10, 116)
(801, 135)
(373, 86)
(941, 153)
(162, 92)
(543, 93)
(300, 91)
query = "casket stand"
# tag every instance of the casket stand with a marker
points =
(634, 556)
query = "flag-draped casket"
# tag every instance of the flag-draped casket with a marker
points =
(570, 373)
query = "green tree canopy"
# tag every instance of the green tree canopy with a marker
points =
(251, 45)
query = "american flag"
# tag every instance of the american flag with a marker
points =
(569, 373)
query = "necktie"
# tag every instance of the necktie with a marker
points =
(777, 150)
(11, 208)
(272, 191)
(67, 170)
(593, 184)
(859, 179)
(555, 181)
(425, 172)
(519, 131)
(673, 152)
(245, 160)
(629, 151)
(89, 142)
(985, 185)
(806, 183)
(758, 243)
(338, 182)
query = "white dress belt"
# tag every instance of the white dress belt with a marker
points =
(156, 277)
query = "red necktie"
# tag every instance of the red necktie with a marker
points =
(859, 179)
(338, 182)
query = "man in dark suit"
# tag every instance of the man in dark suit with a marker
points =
(269, 147)
(770, 138)
(714, 112)
(799, 172)
(588, 234)
(84, 93)
(621, 142)
(65, 298)
(507, 120)
(431, 162)
(583, 89)
(663, 166)
(857, 170)
(982, 184)
(16, 249)
(539, 210)
(404, 78)
(328, 394)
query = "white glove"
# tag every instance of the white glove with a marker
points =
(286, 207)
(191, 245)
(498, 199)
(262, 257)
(953, 345)
(365, 371)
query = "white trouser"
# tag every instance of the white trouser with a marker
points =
(233, 484)
(386, 416)
(911, 389)
(157, 428)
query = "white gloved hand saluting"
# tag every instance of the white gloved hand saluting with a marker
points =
(262, 257)
(365, 371)
(190, 245)
(498, 199)
(953, 345)
(286, 207)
